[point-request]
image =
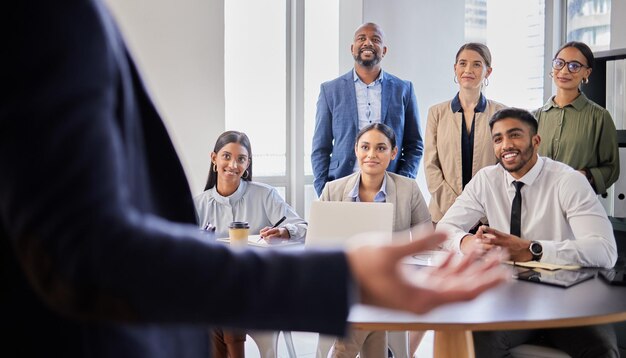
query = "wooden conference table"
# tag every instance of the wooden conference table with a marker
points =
(514, 305)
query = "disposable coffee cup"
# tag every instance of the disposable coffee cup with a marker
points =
(238, 232)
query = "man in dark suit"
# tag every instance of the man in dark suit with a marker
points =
(100, 255)
(364, 95)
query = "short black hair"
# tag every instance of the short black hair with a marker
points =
(383, 128)
(515, 113)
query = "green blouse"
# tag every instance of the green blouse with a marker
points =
(581, 135)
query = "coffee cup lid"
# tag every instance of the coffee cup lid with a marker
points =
(239, 225)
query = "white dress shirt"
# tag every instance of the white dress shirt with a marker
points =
(368, 102)
(559, 209)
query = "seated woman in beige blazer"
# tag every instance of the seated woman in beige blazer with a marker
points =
(458, 139)
(375, 148)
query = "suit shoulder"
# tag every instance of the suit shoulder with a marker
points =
(439, 107)
(397, 80)
(496, 105)
(401, 180)
(335, 81)
(341, 182)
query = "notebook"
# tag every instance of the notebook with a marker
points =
(339, 224)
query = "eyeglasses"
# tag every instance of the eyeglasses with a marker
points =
(572, 66)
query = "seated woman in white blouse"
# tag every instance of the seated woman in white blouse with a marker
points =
(231, 195)
(375, 148)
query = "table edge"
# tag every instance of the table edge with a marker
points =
(488, 326)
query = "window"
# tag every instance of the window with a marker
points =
(518, 73)
(255, 80)
(321, 63)
(589, 21)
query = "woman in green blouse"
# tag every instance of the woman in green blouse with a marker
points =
(573, 129)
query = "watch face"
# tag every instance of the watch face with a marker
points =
(536, 248)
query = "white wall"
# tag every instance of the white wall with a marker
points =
(350, 17)
(179, 47)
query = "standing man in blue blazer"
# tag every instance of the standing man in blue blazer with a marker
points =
(364, 95)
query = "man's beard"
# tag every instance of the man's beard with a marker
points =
(523, 160)
(367, 63)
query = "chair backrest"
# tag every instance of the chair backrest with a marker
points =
(333, 223)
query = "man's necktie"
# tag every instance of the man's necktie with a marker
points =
(516, 210)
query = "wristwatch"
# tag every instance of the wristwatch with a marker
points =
(536, 250)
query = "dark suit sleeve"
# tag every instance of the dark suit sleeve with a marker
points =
(322, 142)
(412, 145)
(68, 155)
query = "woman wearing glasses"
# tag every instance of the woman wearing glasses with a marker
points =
(458, 139)
(573, 129)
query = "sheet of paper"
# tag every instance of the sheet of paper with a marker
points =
(543, 265)
(255, 240)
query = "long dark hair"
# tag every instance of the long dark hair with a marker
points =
(226, 138)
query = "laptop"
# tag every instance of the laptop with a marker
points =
(338, 224)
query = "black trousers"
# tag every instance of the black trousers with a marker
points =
(589, 342)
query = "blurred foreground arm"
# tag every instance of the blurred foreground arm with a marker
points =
(377, 272)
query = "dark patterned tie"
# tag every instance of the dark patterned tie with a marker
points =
(516, 210)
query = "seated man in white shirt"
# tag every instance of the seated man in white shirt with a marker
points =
(556, 218)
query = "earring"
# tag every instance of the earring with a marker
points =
(455, 80)
(214, 167)
(551, 75)
(585, 80)
(245, 174)
(486, 81)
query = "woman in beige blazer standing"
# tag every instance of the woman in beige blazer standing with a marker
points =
(458, 139)
(375, 148)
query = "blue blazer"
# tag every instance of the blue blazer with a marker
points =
(337, 124)
(100, 254)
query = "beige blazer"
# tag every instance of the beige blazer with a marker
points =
(442, 153)
(409, 205)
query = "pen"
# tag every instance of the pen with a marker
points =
(279, 222)
(275, 225)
